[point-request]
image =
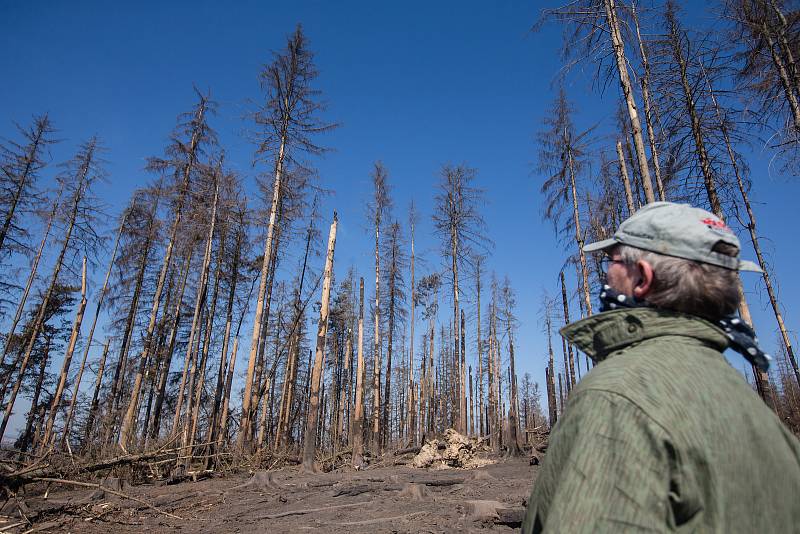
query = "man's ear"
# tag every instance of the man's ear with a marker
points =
(645, 281)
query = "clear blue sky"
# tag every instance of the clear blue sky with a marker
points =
(414, 84)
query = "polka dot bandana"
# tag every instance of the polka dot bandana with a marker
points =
(611, 299)
(744, 341)
(741, 336)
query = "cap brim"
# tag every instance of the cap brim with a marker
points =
(745, 265)
(600, 245)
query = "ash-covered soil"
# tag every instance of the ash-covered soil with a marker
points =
(397, 498)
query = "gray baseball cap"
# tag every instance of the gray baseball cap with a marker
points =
(678, 230)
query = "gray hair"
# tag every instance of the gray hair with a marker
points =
(687, 286)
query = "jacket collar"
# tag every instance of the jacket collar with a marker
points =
(603, 333)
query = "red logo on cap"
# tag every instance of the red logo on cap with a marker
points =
(714, 223)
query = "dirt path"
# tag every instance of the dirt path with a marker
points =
(384, 499)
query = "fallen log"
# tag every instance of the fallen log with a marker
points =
(439, 482)
(24, 476)
(107, 490)
(380, 520)
(310, 510)
(352, 491)
(408, 450)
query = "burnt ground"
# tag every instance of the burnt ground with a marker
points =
(394, 498)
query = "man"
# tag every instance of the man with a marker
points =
(663, 434)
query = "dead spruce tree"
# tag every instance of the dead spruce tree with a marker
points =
(101, 295)
(138, 240)
(509, 302)
(7, 346)
(194, 363)
(53, 338)
(21, 163)
(183, 159)
(283, 432)
(232, 273)
(411, 421)
(395, 262)
(357, 429)
(379, 207)
(477, 265)
(769, 69)
(547, 313)
(687, 63)
(460, 227)
(313, 415)
(726, 125)
(55, 404)
(428, 297)
(563, 156)
(594, 29)
(78, 229)
(287, 120)
(650, 110)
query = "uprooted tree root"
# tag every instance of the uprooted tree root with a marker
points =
(455, 451)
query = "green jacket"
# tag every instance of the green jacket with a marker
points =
(664, 435)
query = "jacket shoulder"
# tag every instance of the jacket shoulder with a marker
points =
(654, 370)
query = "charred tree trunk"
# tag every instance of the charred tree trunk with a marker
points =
(223, 421)
(247, 403)
(25, 293)
(478, 262)
(623, 171)
(86, 162)
(27, 434)
(90, 337)
(459, 390)
(193, 410)
(579, 233)
(618, 47)
(551, 389)
(463, 377)
(290, 375)
(129, 420)
(386, 428)
(119, 371)
(376, 355)
(565, 303)
(411, 429)
(223, 361)
(312, 419)
(471, 404)
(648, 107)
(762, 378)
(344, 401)
(259, 387)
(196, 323)
(94, 406)
(170, 350)
(62, 379)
